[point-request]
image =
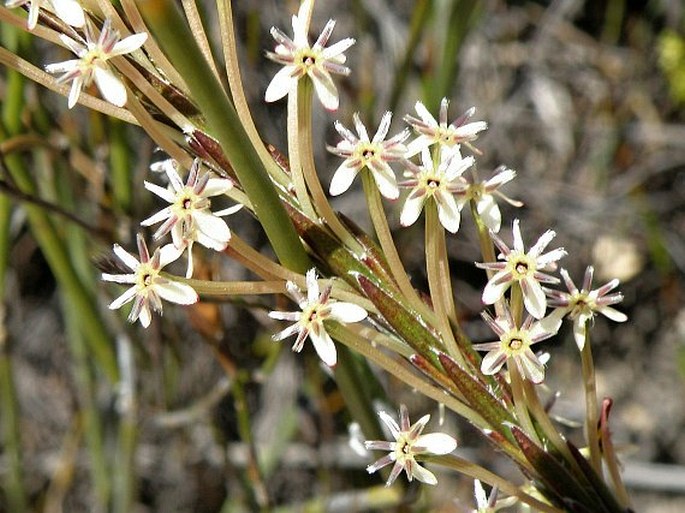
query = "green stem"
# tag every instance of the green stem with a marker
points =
(380, 224)
(173, 34)
(298, 125)
(303, 139)
(591, 406)
(477, 472)
(518, 392)
(439, 279)
(487, 249)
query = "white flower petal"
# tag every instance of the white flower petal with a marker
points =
(169, 253)
(532, 367)
(534, 298)
(119, 278)
(342, 179)
(127, 258)
(160, 216)
(176, 292)
(448, 213)
(612, 314)
(126, 297)
(129, 44)
(216, 186)
(347, 312)
(75, 91)
(110, 86)
(323, 344)
(495, 289)
(385, 181)
(489, 211)
(411, 211)
(280, 85)
(326, 90)
(63, 67)
(436, 443)
(492, 362)
(213, 226)
(70, 12)
(425, 115)
(424, 475)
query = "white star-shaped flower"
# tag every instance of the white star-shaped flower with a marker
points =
(316, 308)
(514, 344)
(439, 182)
(483, 193)
(432, 131)
(581, 305)
(69, 11)
(149, 287)
(522, 268)
(93, 54)
(189, 217)
(409, 443)
(360, 152)
(300, 59)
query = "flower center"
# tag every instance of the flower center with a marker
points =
(515, 342)
(146, 276)
(307, 59)
(521, 266)
(92, 57)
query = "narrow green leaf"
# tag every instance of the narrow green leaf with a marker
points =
(556, 480)
(478, 395)
(407, 323)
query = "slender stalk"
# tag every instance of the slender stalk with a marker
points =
(591, 405)
(176, 39)
(380, 224)
(295, 159)
(477, 472)
(347, 336)
(520, 404)
(543, 420)
(303, 138)
(198, 30)
(610, 457)
(235, 85)
(439, 279)
(487, 248)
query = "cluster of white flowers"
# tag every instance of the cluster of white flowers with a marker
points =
(188, 219)
(434, 171)
(438, 177)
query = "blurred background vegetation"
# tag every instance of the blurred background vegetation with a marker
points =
(202, 412)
